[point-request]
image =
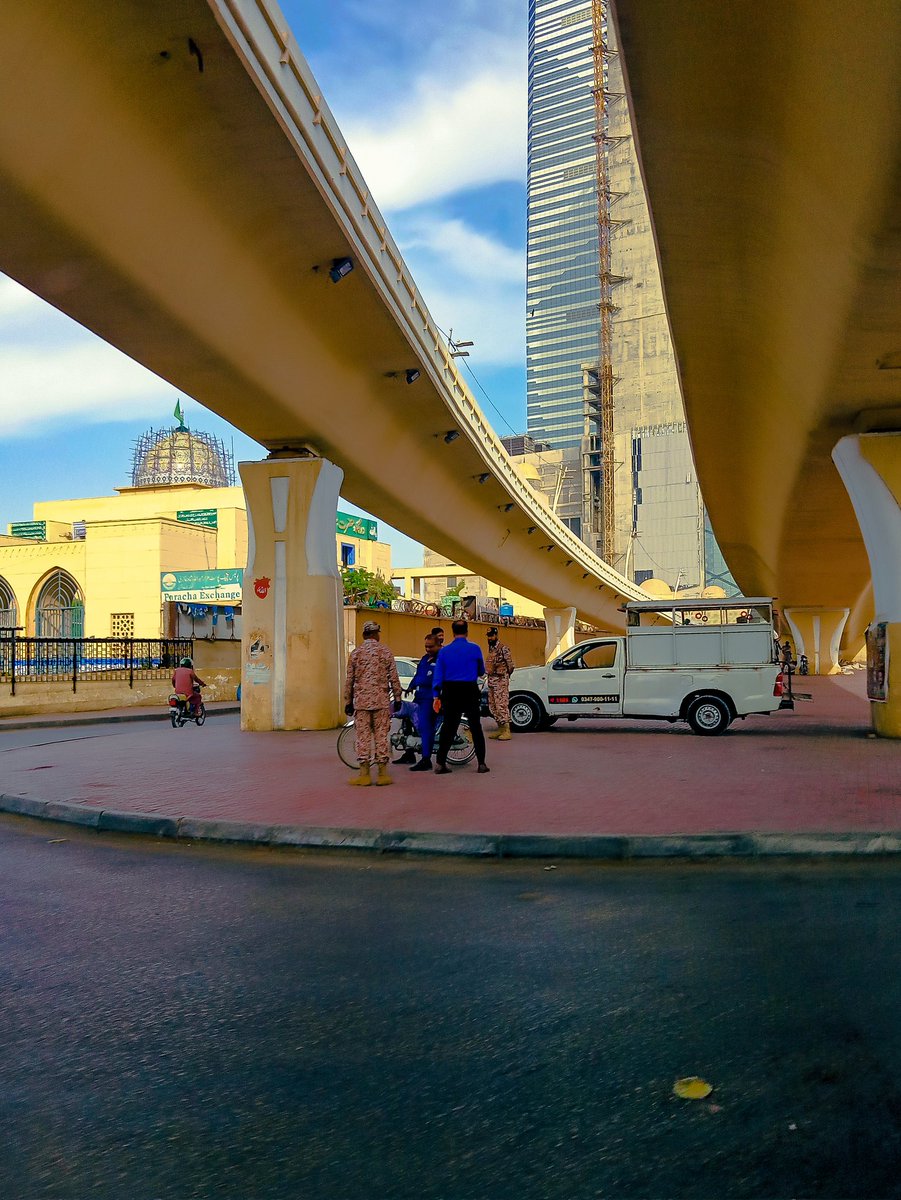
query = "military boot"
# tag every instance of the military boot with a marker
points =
(504, 734)
(383, 778)
(363, 779)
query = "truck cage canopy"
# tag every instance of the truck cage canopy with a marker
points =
(728, 610)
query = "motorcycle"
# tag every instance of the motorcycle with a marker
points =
(181, 711)
(404, 737)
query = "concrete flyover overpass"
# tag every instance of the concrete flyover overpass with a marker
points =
(770, 141)
(171, 178)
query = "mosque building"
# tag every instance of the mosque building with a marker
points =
(169, 546)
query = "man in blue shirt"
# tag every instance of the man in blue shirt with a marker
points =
(456, 688)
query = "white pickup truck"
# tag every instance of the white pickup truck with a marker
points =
(701, 661)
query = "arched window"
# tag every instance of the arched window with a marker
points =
(59, 611)
(8, 610)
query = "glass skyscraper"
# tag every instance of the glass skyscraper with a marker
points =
(657, 517)
(562, 288)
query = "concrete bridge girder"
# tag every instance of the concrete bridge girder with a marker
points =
(769, 137)
(190, 217)
(776, 211)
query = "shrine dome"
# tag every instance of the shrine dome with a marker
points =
(179, 456)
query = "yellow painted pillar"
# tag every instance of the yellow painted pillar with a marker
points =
(292, 647)
(561, 631)
(817, 632)
(870, 466)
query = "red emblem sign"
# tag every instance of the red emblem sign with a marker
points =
(261, 587)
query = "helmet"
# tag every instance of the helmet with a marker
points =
(186, 662)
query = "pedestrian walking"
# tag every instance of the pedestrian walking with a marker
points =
(499, 665)
(456, 688)
(422, 687)
(371, 690)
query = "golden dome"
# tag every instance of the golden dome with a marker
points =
(180, 456)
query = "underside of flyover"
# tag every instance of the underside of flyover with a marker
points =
(157, 186)
(769, 135)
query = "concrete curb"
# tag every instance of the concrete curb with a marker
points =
(8, 725)
(470, 845)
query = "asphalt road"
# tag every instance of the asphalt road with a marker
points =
(15, 739)
(186, 1021)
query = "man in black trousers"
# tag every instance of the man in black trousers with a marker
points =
(456, 687)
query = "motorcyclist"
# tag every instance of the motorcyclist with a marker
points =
(186, 682)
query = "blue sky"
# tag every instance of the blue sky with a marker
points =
(432, 101)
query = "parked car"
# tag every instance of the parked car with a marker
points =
(406, 669)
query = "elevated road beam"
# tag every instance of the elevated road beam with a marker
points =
(770, 142)
(171, 177)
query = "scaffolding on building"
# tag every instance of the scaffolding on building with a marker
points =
(178, 455)
(599, 517)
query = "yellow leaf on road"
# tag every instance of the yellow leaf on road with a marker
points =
(692, 1088)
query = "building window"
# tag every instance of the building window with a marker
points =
(122, 625)
(8, 608)
(348, 554)
(59, 611)
(642, 577)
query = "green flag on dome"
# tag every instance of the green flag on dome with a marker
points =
(179, 415)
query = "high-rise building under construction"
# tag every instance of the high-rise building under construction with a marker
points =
(591, 253)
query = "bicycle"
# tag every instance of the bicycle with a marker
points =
(404, 737)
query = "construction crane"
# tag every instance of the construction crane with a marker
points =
(603, 408)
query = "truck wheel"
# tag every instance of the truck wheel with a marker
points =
(525, 714)
(709, 715)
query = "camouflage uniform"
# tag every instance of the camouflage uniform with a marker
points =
(370, 684)
(499, 665)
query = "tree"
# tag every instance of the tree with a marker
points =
(366, 587)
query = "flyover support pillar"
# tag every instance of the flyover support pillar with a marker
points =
(870, 466)
(561, 631)
(817, 632)
(292, 654)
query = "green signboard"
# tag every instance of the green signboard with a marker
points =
(29, 529)
(358, 527)
(199, 516)
(202, 587)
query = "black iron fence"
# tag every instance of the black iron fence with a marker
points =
(60, 660)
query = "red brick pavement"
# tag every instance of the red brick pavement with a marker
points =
(811, 770)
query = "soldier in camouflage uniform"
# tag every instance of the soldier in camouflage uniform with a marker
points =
(369, 689)
(499, 665)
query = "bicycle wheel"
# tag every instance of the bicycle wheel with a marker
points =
(462, 750)
(347, 748)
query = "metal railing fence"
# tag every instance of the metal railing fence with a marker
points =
(59, 660)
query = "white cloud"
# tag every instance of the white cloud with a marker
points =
(447, 138)
(85, 381)
(470, 282)
(16, 300)
(465, 250)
